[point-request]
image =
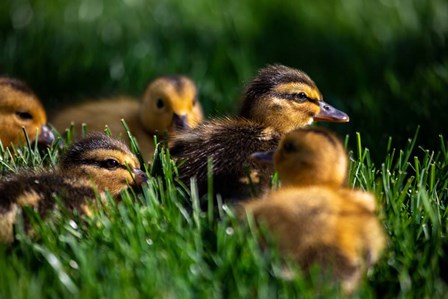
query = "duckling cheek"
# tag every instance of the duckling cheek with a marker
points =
(11, 130)
(32, 131)
(113, 185)
(308, 114)
(6, 138)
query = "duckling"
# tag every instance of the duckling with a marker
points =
(314, 217)
(278, 100)
(20, 108)
(308, 157)
(169, 104)
(96, 163)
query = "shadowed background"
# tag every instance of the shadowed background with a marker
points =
(383, 62)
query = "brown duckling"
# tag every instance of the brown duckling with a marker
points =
(313, 217)
(20, 108)
(169, 104)
(94, 164)
(278, 100)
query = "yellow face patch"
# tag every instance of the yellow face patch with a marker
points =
(283, 110)
(101, 176)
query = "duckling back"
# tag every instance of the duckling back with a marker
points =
(98, 114)
(226, 143)
(40, 191)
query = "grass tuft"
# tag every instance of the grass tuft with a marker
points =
(160, 243)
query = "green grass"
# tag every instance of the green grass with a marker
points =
(383, 62)
(149, 245)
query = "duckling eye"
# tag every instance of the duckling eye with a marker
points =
(24, 115)
(110, 164)
(194, 102)
(160, 103)
(302, 95)
(289, 147)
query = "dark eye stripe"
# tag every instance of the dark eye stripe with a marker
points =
(101, 164)
(314, 101)
(296, 97)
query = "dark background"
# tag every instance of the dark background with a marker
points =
(383, 62)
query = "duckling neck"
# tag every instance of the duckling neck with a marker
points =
(140, 115)
(274, 124)
(303, 183)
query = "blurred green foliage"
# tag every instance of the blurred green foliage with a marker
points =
(383, 62)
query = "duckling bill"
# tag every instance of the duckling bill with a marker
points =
(279, 99)
(94, 164)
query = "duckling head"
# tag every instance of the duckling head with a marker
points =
(20, 108)
(285, 99)
(309, 156)
(170, 103)
(106, 162)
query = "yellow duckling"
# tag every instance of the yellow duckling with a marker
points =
(95, 163)
(313, 217)
(169, 104)
(20, 108)
(278, 100)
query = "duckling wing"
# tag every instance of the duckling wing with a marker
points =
(323, 225)
(229, 144)
(39, 191)
(97, 114)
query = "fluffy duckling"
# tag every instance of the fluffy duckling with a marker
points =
(20, 108)
(313, 217)
(169, 104)
(94, 164)
(278, 100)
